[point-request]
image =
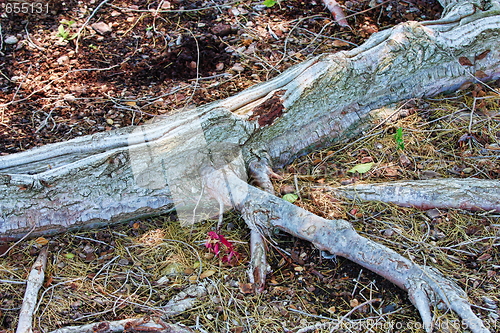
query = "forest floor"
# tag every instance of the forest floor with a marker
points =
(71, 68)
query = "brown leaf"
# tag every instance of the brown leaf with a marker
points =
(480, 74)
(484, 257)
(48, 282)
(464, 61)
(3, 249)
(465, 85)
(404, 160)
(339, 43)
(246, 288)
(391, 172)
(482, 55)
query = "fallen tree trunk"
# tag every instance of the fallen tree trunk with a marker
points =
(151, 169)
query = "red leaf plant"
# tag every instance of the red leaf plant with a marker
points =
(221, 247)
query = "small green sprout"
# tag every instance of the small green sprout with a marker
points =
(398, 137)
(269, 3)
(63, 30)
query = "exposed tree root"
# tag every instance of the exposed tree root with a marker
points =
(154, 324)
(425, 286)
(469, 193)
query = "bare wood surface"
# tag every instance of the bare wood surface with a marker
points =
(33, 285)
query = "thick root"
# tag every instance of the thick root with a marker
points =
(426, 287)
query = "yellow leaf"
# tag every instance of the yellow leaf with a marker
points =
(207, 273)
(362, 168)
(41, 241)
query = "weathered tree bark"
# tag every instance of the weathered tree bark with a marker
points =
(470, 193)
(150, 169)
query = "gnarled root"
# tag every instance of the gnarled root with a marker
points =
(259, 172)
(426, 287)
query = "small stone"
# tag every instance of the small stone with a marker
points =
(62, 60)
(101, 28)
(109, 121)
(237, 67)
(166, 5)
(389, 308)
(221, 29)
(163, 280)
(88, 249)
(123, 262)
(388, 232)
(234, 11)
(17, 78)
(433, 213)
(10, 40)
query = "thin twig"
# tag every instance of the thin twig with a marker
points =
(19, 241)
(86, 23)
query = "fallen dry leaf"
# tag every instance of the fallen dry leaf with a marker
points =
(207, 273)
(41, 241)
(246, 288)
(464, 61)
